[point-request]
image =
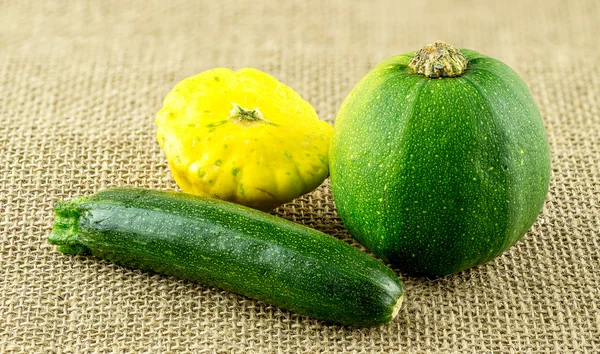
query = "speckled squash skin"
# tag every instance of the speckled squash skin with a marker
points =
(244, 137)
(231, 247)
(439, 175)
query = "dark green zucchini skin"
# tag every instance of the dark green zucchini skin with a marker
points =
(439, 175)
(231, 247)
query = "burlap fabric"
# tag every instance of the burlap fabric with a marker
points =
(80, 83)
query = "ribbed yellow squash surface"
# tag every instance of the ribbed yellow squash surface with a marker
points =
(243, 137)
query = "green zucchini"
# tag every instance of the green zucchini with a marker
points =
(231, 247)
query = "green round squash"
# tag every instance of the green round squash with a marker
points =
(439, 160)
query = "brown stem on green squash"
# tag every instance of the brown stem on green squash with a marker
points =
(438, 59)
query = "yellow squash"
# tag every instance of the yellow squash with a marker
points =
(243, 137)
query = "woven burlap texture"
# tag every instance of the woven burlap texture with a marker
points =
(81, 82)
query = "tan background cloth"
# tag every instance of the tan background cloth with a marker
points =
(80, 83)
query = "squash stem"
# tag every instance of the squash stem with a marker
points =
(438, 59)
(246, 116)
(66, 226)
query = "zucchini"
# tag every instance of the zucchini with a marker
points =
(231, 247)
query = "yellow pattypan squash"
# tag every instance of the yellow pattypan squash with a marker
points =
(243, 137)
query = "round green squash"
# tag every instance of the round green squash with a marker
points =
(439, 160)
